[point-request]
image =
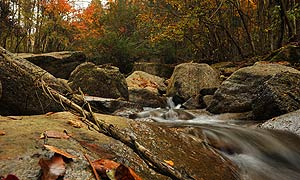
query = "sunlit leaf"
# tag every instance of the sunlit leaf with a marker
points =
(59, 151)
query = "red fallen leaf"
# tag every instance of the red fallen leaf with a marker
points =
(125, 173)
(53, 168)
(59, 151)
(121, 172)
(54, 134)
(11, 177)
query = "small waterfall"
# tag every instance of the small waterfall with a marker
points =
(260, 154)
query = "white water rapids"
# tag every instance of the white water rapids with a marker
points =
(260, 154)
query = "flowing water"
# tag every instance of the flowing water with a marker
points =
(260, 154)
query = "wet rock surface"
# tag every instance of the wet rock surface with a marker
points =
(287, 122)
(21, 147)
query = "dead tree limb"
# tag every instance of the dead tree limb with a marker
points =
(112, 131)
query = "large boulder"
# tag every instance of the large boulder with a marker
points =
(146, 89)
(287, 122)
(21, 87)
(143, 80)
(236, 94)
(188, 79)
(102, 81)
(157, 69)
(59, 64)
(278, 95)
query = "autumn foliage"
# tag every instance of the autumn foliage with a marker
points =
(124, 31)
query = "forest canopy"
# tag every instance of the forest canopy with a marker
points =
(170, 31)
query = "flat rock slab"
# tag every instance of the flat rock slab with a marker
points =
(21, 147)
(59, 64)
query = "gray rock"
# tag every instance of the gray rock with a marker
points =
(100, 81)
(237, 93)
(287, 122)
(59, 64)
(278, 95)
(188, 79)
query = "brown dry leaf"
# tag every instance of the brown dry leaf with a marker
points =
(75, 123)
(170, 162)
(119, 171)
(54, 134)
(59, 151)
(53, 168)
(2, 133)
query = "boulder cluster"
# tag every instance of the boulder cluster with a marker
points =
(265, 89)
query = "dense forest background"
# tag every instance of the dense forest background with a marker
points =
(169, 31)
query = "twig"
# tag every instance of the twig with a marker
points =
(93, 167)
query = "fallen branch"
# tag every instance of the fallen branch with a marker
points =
(112, 131)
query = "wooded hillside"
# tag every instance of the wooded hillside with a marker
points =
(171, 31)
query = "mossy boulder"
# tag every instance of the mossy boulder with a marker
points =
(102, 81)
(59, 64)
(188, 79)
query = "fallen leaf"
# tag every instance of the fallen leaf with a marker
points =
(2, 133)
(124, 173)
(54, 134)
(171, 163)
(53, 168)
(59, 151)
(76, 124)
(113, 170)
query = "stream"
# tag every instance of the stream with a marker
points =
(260, 154)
